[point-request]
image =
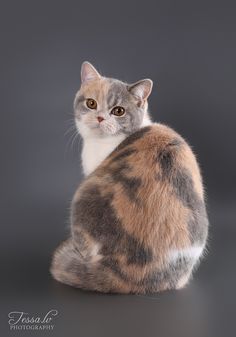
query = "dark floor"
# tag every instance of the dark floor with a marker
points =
(205, 308)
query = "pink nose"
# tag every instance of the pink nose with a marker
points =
(100, 119)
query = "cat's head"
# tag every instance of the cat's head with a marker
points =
(106, 106)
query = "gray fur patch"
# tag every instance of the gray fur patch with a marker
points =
(133, 138)
(182, 183)
(82, 245)
(130, 185)
(112, 99)
(198, 222)
(123, 155)
(113, 265)
(80, 107)
(79, 99)
(118, 95)
(95, 214)
(198, 225)
(153, 281)
(170, 276)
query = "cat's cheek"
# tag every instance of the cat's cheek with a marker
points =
(89, 120)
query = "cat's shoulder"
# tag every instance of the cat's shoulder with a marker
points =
(152, 138)
(152, 144)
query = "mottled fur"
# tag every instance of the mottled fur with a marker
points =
(138, 221)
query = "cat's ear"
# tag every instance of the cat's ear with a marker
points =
(88, 72)
(141, 89)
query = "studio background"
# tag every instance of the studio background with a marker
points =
(188, 48)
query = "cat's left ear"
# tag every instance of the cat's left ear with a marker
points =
(88, 72)
(141, 89)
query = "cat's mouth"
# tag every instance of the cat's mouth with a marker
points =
(108, 128)
(104, 127)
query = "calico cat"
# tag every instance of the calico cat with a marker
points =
(138, 220)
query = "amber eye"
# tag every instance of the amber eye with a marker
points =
(91, 103)
(118, 111)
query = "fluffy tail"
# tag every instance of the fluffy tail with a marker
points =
(69, 267)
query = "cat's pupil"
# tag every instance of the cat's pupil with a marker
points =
(91, 103)
(118, 111)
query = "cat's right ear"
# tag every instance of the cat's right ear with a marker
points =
(88, 72)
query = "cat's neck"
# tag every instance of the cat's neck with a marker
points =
(97, 148)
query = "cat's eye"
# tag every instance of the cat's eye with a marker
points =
(118, 111)
(91, 103)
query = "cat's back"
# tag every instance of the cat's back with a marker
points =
(154, 155)
(150, 184)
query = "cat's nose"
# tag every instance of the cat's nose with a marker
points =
(100, 119)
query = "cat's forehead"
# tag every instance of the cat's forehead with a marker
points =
(117, 93)
(108, 90)
(95, 89)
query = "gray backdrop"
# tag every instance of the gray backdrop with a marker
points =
(188, 48)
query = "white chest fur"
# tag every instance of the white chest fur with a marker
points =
(96, 149)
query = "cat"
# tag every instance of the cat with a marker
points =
(138, 220)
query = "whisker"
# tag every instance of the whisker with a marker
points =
(71, 128)
(70, 120)
(73, 132)
(73, 141)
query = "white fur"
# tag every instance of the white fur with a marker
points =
(146, 120)
(96, 147)
(193, 253)
(94, 254)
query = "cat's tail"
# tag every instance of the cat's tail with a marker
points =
(108, 276)
(69, 267)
